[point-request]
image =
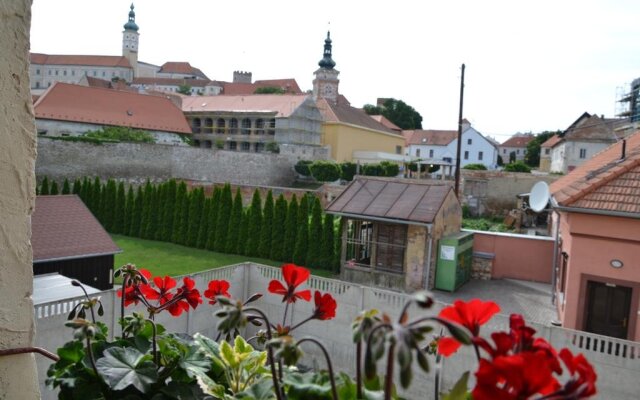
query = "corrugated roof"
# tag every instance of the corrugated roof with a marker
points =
(282, 104)
(68, 59)
(54, 287)
(62, 227)
(518, 141)
(350, 115)
(432, 137)
(93, 105)
(391, 199)
(604, 182)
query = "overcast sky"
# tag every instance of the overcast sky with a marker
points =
(531, 66)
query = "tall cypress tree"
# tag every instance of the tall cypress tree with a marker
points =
(196, 204)
(54, 188)
(66, 187)
(181, 195)
(244, 232)
(182, 224)
(255, 223)
(266, 229)
(77, 186)
(328, 243)
(128, 211)
(291, 230)
(213, 219)
(203, 232)
(96, 198)
(235, 220)
(85, 191)
(109, 204)
(302, 237)
(136, 213)
(279, 228)
(222, 223)
(168, 210)
(118, 211)
(146, 210)
(44, 186)
(314, 252)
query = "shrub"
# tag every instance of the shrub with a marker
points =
(121, 134)
(219, 144)
(325, 171)
(272, 147)
(475, 167)
(372, 170)
(348, 170)
(517, 166)
(389, 169)
(302, 167)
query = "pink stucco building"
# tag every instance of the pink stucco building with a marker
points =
(597, 258)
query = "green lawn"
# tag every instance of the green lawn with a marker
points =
(163, 258)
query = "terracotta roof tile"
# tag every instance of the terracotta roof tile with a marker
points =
(67, 59)
(350, 115)
(391, 199)
(518, 141)
(604, 182)
(63, 227)
(593, 128)
(67, 102)
(432, 137)
(552, 141)
(384, 121)
(181, 67)
(174, 82)
(280, 104)
(290, 86)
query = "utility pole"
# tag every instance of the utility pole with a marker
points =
(457, 187)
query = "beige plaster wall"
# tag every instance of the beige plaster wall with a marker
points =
(17, 190)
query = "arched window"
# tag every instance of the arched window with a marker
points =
(220, 125)
(196, 125)
(260, 126)
(246, 126)
(208, 125)
(233, 126)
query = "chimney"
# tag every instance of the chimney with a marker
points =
(624, 149)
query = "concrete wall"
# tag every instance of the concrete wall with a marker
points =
(138, 162)
(344, 139)
(18, 378)
(617, 369)
(529, 258)
(494, 192)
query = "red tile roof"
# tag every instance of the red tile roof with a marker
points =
(391, 199)
(174, 82)
(604, 182)
(67, 102)
(552, 141)
(432, 137)
(180, 67)
(350, 115)
(290, 86)
(593, 128)
(64, 228)
(67, 59)
(281, 104)
(95, 82)
(518, 141)
(384, 121)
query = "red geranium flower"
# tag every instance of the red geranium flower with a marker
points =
(293, 276)
(582, 383)
(189, 296)
(217, 288)
(163, 293)
(133, 291)
(470, 315)
(325, 306)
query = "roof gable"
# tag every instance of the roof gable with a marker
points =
(593, 128)
(604, 182)
(518, 141)
(64, 228)
(350, 115)
(393, 200)
(281, 104)
(69, 59)
(432, 137)
(95, 105)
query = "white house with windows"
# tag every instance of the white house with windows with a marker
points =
(440, 147)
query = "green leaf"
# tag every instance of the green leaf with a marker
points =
(228, 355)
(309, 386)
(262, 390)
(423, 361)
(70, 353)
(194, 361)
(459, 391)
(209, 386)
(124, 367)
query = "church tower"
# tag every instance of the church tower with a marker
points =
(130, 41)
(325, 84)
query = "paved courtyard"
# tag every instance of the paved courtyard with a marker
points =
(531, 299)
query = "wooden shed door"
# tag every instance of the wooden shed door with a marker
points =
(391, 242)
(608, 309)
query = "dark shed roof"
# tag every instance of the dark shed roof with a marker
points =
(64, 228)
(393, 200)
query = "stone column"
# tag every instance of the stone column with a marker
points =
(18, 377)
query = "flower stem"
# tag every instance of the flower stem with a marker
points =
(125, 283)
(301, 323)
(359, 370)
(91, 359)
(388, 380)
(334, 390)
(284, 318)
(272, 365)
(154, 342)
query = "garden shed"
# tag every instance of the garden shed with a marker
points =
(390, 229)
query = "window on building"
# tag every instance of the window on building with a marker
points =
(272, 126)
(518, 151)
(359, 238)
(56, 72)
(260, 126)
(104, 73)
(95, 73)
(245, 146)
(196, 125)
(430, 153)
(246, 126)
(390, 247)
(38, 71)
(583, 153)
(73, 72)
(233, 145)
(207, 144)
(208, 125)
(37, 85)
(49, 72)
(64, 72)
(466, 155)
(398, 149)
(196, 143)
(469, 141)
(233, 126)
(259, 147)
(220, 125)
(48, 84)
(546, 151)
(480, 155)
(417, 152)
(504, 151)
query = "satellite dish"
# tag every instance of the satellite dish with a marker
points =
(539, 196)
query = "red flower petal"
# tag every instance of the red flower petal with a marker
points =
(294, 275)
(277, 287)
(302, 294)
(447, 346)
